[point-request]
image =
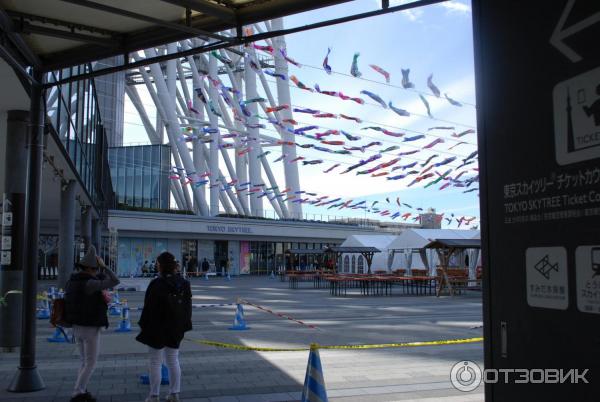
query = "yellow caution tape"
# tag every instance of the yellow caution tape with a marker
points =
(314, 346)
(242, 347)
(10, 292)
(404, 344)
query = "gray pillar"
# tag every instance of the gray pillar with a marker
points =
(11, 276)
(66, 233)
(27, 377)
(97, 234)
(86, 226)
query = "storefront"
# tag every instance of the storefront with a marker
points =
(237, 246)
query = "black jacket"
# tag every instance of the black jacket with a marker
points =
(160, 327)
(81, 308)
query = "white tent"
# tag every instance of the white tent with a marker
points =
(355, 263)
(411, 242)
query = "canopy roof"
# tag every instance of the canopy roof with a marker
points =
(420, 238)
(351, 250)
(454, 243)
(304, 251)
(53, 34)
(379, 241)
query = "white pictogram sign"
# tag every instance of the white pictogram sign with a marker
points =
(547, 281)
(587, 271)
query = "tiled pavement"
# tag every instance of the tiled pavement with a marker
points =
(223, 375)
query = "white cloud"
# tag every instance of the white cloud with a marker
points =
(415, 14)
(456, 7)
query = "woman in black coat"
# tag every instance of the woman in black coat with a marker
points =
(166, 316)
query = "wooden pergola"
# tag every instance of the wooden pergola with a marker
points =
(366, 252)
(445, 248)
(298, 252)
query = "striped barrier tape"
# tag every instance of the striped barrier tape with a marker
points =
(280, 315)
(202, 305)
(317, 346)
(212, 305)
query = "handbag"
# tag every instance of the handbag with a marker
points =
(107, 297)
(58, 314)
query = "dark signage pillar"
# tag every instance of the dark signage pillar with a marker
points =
(538, 101)
(12, 228)
(27, 378)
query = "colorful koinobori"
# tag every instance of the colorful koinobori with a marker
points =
(238, 120)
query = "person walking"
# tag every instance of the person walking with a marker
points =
(86, 306)
(205, 265)
(166, 316)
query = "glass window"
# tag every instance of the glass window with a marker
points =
(346, 264)
(353, 264)
(361, 265)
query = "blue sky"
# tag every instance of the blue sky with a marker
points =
(430, 40)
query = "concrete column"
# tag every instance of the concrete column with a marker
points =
(11, 276)
(254, 172)
(292, 178)
(66, 233)
(86, 226)
(97, 234)
(213, 161)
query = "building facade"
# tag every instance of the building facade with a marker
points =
(140, 175)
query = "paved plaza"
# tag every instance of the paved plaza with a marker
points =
(224, 375)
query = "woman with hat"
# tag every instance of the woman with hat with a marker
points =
(86, 309)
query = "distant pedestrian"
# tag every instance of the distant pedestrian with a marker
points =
(85, 308)
(145, 268)
(166, 316)
(205, 265)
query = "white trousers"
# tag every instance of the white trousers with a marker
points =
(88, 343)
(170, 357)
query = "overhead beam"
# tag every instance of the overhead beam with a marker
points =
(28, 28)
(6, 25)
(54, 64)
(206, 7)
(145, 18)
(71, 26)
(8, 56)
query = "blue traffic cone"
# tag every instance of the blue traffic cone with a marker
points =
(114, 307)
(228, 278)
(206, 276)
(314, 389)
(43, 312)
(272, 275)
(60, 336)
(125, 324)
(239, 323)
(164, 376)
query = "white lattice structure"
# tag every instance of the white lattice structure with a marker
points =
(217, 143)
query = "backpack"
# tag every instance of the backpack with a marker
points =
(58, 314)
(179, 305)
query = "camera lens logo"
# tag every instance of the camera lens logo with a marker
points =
(465, 376)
